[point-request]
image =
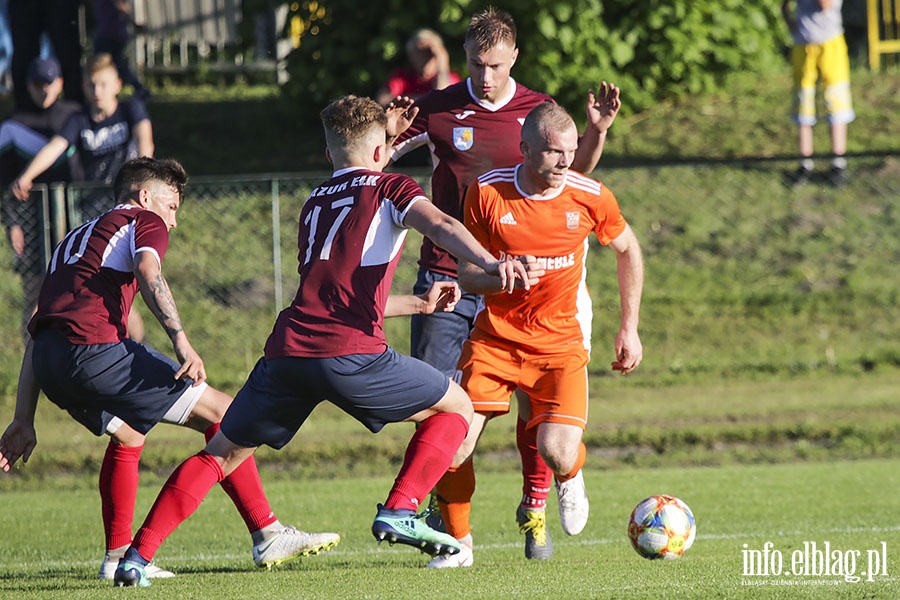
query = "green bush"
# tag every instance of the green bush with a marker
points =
(654, 50)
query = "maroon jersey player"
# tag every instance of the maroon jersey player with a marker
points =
(329, 345)
(80, 357)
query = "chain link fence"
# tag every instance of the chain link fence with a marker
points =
(232, 260)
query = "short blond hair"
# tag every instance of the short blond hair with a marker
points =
(490, 28)
(544, 118)
(349, 120)
(100, 61)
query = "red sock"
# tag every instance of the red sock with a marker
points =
(536, 475)
(245, 489)
(118, 492)
(178, 499)
(428, 456)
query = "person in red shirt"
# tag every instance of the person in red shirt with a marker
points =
(330, 345)
(429, 69)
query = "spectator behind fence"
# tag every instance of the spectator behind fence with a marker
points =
(105, 135)
(819, 54)
(112, 22)
(22, 136)
(29, 19)
(429, 69)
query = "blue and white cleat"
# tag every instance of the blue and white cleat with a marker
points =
(406, 527)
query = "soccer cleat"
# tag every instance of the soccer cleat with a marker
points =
(406, 527)
(433, 517)
(130, 574)
(464, 558)
(290, 543)
(573, 504)
(533, 523)
(109, 564)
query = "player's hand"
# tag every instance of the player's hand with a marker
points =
(21, 188)
(17, 239)
(191, 363)
(534, 270)
(18, 441)
(400, 115)
(442, 296)
(629, 352)
(513, 273)
(603, 106)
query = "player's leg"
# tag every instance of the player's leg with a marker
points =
(559, 411)
(489, 376)
(179, 498)
(390, 388)
(273, 542)
(537, 479)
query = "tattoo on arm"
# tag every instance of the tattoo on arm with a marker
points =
(163, 306)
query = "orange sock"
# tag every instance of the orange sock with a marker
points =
(579, 463)
(454, 493)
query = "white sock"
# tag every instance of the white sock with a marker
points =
(839, 162)
(260, 535)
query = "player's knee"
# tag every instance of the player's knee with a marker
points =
(211, 406)
(456, 400)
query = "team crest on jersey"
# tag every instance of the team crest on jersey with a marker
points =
(572, 218)
(463, 138)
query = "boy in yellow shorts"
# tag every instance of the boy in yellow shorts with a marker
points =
(820, 54)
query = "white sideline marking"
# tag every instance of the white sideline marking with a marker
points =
(368, 550)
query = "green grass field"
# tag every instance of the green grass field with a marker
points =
(767, 400)
(851, 505)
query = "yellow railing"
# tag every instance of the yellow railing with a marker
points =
(884, 29)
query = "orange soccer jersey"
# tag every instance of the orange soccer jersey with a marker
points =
(504, 220)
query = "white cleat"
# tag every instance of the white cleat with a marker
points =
(573, 504)
(464, 558)
(109, 564)
(290, 543)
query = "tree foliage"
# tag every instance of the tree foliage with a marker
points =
(653, 49)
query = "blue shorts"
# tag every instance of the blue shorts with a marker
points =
(438, 338)
(97, 383)
(375, 389)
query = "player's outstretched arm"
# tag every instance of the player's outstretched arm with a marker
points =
(42, 161)
(452, 236)
(442, 296)
(630, 272)
(19, 439)
(602, 108)
(158, 297)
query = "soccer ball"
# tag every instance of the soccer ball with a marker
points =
(661, 527)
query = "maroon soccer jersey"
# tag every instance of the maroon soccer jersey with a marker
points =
(467, 137)
(90, 284)
(350, 240)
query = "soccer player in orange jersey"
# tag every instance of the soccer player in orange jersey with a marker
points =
(470, 128)
(542, 212)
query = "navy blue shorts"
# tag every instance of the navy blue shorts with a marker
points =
(438, 338)
(375, 389)
(97, 382)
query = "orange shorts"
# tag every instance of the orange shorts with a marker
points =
(556, 384)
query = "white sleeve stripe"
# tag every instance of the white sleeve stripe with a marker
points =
(151, 250)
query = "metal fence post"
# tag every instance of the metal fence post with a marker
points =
(276, 245)
(57, 227)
